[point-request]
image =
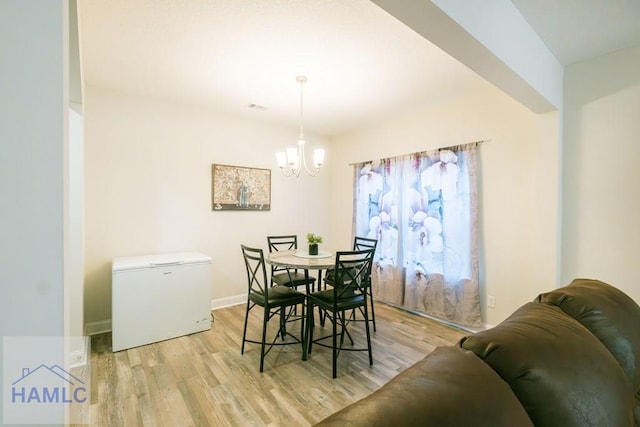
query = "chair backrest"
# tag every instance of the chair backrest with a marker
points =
(360, 243)
(256, 272)
(282, 243)
(352, 274)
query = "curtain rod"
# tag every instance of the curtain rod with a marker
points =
(425, 151)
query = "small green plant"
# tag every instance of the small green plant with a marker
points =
(313, 239)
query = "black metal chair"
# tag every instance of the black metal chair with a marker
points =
(281, 275)
(275, 300)
(351, 279)
(360, 243)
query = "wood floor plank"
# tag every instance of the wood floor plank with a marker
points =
(203, 380)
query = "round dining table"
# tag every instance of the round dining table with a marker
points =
(301, 259)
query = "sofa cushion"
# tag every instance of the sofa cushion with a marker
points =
(450, 387)
(560, 372)
(609, 314)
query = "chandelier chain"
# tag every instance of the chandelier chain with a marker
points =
(302, 80)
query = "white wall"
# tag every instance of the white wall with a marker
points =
(148, 189)
(74, 226)
(33, 139)
(518, 185)
(33, 136)
(601, 192)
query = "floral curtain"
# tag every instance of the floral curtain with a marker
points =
(422, 209)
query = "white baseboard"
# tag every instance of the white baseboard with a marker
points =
(102, 326)
(80, 357)
(96, 328)
(228, 301)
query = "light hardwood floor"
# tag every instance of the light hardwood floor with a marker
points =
(203, 380)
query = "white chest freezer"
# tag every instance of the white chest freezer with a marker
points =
(157, 297)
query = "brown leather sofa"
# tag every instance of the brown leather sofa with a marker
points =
(570, 358)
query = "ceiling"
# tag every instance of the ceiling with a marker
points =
(576, 30)
(241, 57)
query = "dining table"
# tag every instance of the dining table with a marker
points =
(302, 260)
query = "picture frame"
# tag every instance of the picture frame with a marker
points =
(239, 188)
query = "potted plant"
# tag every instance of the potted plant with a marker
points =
(313, 240)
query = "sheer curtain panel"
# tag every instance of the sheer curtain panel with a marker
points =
(422, 209)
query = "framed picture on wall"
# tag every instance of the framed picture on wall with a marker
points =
(237, 188)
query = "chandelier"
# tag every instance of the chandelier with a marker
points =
(292, 161)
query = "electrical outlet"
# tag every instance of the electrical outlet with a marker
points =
(491, 301)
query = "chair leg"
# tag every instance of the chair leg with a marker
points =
(246, 320)
(264, 336)
(373, 313)
(282, 330)
(344, 331)
(366, 324)
(335, 348)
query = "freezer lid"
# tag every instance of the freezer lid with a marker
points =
(159, 260)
